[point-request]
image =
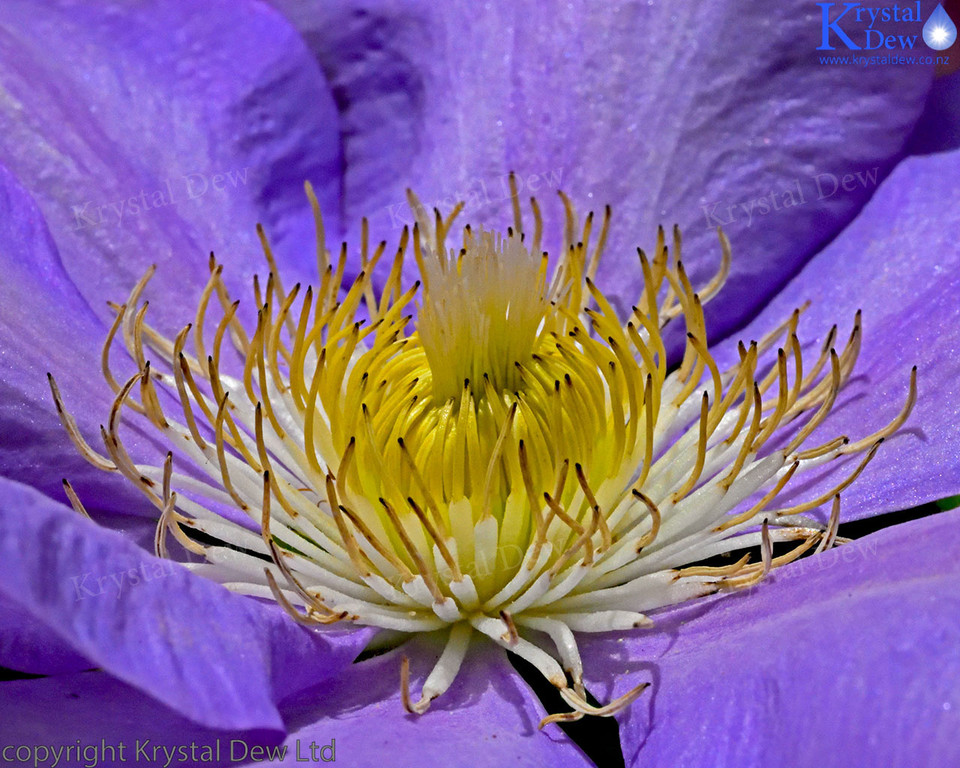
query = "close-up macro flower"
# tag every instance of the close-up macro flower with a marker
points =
(526, 383)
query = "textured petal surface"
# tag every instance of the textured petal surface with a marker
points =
(487, 718)
(218, 659)
(150, 133)
(848, 658)
(899, 262)
(673, 112)
(114, 722)
(32, 648)
(45, 325)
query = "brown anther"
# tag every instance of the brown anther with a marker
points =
(769, 496)
(437, 539)
(386, 552)
(169, 520)
(309, 619)
(691, 483)
(829, 537)
(222, 455)
(840, 487)
(599, 521)
(894, 425)
(74, 499)
(745, 447)
(766, 548)
(825, 406)
(415, 554)
(73, 432)
(511, 637)
(105, 354)
(621, 702)
(648, 538)
(412, 708)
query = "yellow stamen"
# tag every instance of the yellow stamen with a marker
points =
(407, 451)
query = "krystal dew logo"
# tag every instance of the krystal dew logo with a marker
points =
(860, 28)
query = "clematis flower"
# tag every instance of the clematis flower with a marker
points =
(181, 662)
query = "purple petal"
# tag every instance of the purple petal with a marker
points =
(45, 325)
(488, 717)
(112, 721)
(155, 134)
(938, 129)
(848, 658)
(219, 659)
(899, 262)
(672, 112)
(32, 648)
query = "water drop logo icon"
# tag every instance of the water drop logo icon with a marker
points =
(939, 32)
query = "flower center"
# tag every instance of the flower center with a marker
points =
(482, 314)
(496, 415)
(517, 458)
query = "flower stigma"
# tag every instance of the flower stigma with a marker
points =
(489, 450)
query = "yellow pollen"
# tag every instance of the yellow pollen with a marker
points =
(480, 314)
(490, 450)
